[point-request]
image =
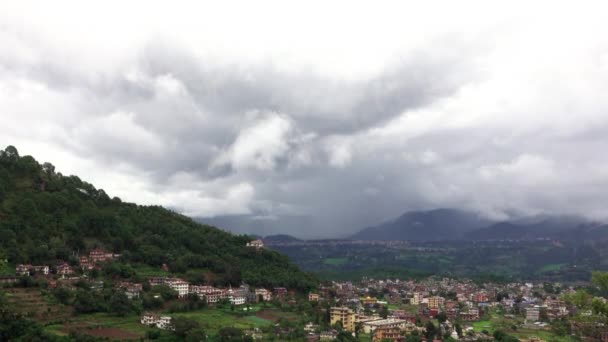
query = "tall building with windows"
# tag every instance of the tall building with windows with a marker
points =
(344, 315)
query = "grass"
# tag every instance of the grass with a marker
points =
(215, 319)
(335, 261)
(551, 268)
(499, 322)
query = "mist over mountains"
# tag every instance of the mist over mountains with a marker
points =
(441, 224)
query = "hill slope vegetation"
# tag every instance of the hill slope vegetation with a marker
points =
(46, 217)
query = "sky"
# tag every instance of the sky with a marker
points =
(346, 113)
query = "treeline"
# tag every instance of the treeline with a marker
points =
(46, 217)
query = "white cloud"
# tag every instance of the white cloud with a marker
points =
(215, 110)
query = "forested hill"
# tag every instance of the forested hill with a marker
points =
(46, 217)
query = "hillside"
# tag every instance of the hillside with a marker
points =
(433, 225)
(46, 217)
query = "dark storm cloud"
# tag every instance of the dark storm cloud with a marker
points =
(500, 121)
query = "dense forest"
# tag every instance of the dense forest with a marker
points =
(47, 217)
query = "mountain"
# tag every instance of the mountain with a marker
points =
(433, 225)
(46, 217)
(529, 228)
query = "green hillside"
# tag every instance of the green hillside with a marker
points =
(46, 217)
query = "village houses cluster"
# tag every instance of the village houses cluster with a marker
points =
(364, 306)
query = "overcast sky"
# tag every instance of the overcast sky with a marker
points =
(348, 112)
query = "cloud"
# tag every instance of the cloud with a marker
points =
(271, 114)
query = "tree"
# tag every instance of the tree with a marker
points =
(600, 279)
(120, 304)
(228, 334)
(431, 330)
(383, 311)
(183, 326)
(442, 317)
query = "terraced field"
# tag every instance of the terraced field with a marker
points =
(32, 303)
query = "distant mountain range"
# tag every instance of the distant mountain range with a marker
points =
(427, 225)
(452, 224)
(433, 225)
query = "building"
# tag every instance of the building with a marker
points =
(470, 315)
(371, 326)
(532, 314)
(85, 263)
(99, 255)
(65, 269)
(257, 244)
(280, 292)
(266, 295)
(161, 322)
(313, 297)
(416, 298)
(435, 302)
(180, 286)
(210, 293)
(25, 269)
(235, 297)
(343, 315)
(369, 301)
(387, 334)
(132, 290)
(328, 335)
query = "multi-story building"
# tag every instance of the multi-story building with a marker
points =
(532, 314)
(343, 315)
(387, 334)
(436, 302)
(64, 269)
(371, 326)
(178, 285)
(313, 297)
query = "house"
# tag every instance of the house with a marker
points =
(470, 315)
(85, 263)
(161, 322)
(343, 315)
(280, 292)
(132, 290)
(235, 297)
(257, 244)
(387, 334)
(313, 297)
(99, 255)
(532, 314)
(369, 301)
(371, 326)
(178, 285)
(435, 302)
(155, 281)
(329, 335)
(25, 269)
(210, 293)
(65, 269)
(22, 269)
(266, 295)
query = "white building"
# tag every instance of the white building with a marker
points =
(178, 285)
(162, 322)
(370, 326)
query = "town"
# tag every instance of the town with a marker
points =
(433, 308)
